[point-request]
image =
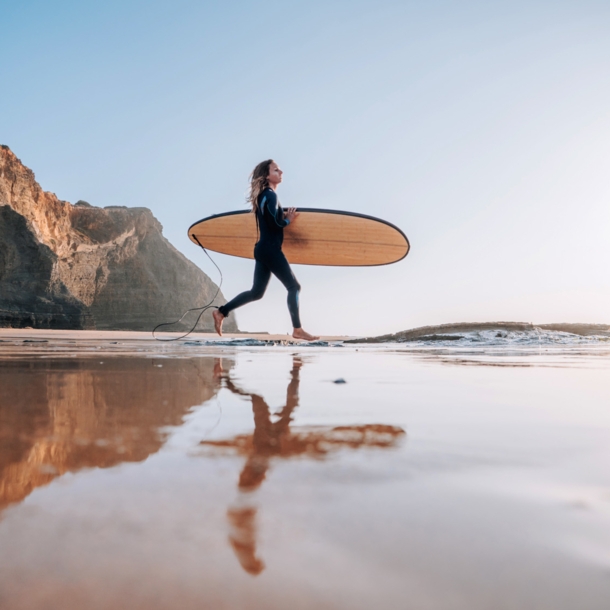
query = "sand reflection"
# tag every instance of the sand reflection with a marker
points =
(276, 439)
(59, 415)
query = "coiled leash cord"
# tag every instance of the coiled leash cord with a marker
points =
(201, 310)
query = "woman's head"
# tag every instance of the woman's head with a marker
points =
(265, 174)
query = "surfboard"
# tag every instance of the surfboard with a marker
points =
(316, 237)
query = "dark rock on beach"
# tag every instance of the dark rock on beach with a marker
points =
(454, 332)
(78, 266)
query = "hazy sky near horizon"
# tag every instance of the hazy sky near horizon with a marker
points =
(482, 129)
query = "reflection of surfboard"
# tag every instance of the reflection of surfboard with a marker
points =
(317, 237)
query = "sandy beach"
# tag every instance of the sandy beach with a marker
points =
(193, 474)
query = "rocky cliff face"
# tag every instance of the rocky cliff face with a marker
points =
(79, 266)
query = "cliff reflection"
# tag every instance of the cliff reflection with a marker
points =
(64, 415)
(275, 439)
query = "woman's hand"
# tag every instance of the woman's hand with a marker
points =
(291, 214)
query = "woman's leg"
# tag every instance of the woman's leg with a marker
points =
(281, 269)
(262, 274)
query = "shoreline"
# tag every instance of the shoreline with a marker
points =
(488, 335)
(36, 334)
(43, 343)
(413, 334)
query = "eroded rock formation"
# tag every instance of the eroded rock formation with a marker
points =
(80, 266)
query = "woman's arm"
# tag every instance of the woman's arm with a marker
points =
(274, 209)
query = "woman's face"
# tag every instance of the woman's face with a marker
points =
(275, 174)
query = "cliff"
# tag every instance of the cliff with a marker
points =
(79, 266)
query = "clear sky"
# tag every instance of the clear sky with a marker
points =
(482, 129)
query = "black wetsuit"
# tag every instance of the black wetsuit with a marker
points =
(269, 258)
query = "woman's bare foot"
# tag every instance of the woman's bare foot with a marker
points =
(299, 333)
(218, 318)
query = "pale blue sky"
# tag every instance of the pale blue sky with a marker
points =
(482, 129)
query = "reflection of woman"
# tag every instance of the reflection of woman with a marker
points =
(271, 220)
(268, 437)
(275, 439)
(266, 442)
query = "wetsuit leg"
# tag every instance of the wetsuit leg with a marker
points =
(276, 261)
(262, 275)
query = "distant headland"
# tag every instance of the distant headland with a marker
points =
(444, 332)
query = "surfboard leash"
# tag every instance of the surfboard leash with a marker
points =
(201, 309)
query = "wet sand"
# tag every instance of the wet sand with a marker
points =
(135, 474)
(102, 336)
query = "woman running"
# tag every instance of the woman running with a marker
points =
(271, 220)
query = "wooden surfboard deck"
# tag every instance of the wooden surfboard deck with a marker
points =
(317, 237)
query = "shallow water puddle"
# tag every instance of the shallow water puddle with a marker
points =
(246, 478)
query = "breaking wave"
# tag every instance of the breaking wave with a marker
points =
(500, 337)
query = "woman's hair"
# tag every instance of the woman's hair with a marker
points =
(258, 182)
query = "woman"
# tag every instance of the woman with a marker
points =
(271, 220)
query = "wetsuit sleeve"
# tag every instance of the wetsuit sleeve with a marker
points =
(275, 211)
